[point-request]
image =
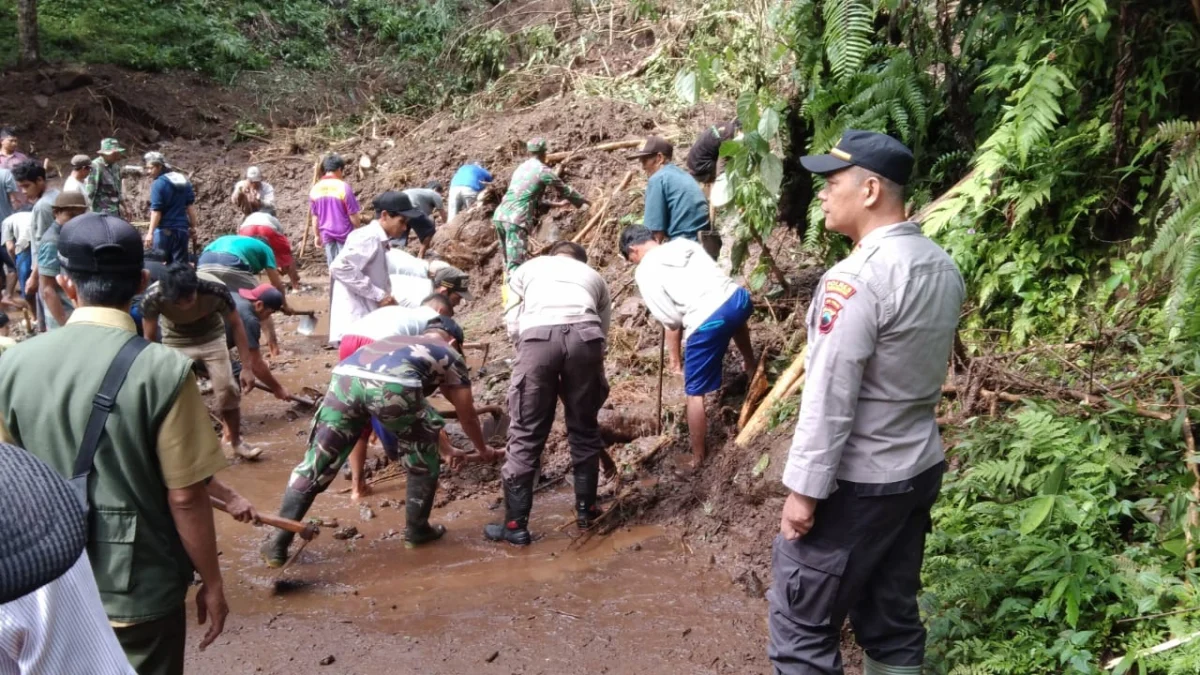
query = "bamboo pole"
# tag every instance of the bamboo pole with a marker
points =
(755, 392)
(758, 421)
(555, 157)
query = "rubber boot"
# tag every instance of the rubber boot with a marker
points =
(518, 502)
(294, 506)
(873, 667)
(418, 504)
(587, 478)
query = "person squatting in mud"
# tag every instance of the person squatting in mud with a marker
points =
(558, 316)
(384, 385)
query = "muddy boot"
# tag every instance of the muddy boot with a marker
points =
(418, 504)
(294, 506)
(587, 478)
(518, 502)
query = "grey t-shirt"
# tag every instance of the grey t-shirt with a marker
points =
(424, 199)
(43, 216)
(245, 310)
(8, 185)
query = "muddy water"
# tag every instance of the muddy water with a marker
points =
(635, 601)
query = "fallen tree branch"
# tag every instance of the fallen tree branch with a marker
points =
(1066, 395)
(603, 210)
(555, 157)
(1151, 651)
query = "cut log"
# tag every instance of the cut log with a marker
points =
(754, 394)
(625, 426)
(758, 421)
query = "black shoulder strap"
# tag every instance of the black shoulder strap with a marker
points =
(102, 405)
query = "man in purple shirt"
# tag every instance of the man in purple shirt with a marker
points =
(334, 207)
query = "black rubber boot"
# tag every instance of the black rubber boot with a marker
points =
(418, 504)
(587, 478)
(518, 502)
(294, 506)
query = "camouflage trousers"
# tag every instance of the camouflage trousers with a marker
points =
(514, 242)
(346, 412)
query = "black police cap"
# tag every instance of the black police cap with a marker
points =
(873, 151)
(98, 243)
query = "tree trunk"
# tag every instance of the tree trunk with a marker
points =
(27, 32)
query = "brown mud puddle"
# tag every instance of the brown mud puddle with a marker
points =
(635, 601)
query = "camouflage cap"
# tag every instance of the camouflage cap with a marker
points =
(537, 145)
(111, 145)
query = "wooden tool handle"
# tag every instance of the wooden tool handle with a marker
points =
(274, 521)
(303, 400)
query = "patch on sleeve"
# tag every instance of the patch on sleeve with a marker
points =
(829, 314)
(839, 287)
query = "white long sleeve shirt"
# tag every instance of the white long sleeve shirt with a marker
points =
(360, 278)
(60, 628)
(554, 290)
(681, 285)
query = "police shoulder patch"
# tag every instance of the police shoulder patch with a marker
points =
(839, 287)
(829, 314)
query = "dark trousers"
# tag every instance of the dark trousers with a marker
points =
(862, 558)
(156, 647)
(172, 242)
(556, 362)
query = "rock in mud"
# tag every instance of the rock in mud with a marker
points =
(625, 425)
(345, 533)
(365, 512)
(466, 244)
(328, 660)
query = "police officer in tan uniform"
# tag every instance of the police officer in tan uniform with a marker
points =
(866, 461)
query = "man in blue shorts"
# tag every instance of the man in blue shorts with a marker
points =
(698, 304)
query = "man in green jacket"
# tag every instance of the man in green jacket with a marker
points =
(149, 483)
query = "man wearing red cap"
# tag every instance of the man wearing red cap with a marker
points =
(194, 313)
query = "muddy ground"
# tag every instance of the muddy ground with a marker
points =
(675, 581)
(641, 598)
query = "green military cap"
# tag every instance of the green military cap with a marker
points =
(111, 145)
(536, 145)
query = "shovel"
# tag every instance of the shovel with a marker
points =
(308, 323)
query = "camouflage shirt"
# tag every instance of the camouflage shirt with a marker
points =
(525, 191)
(104, 187)
(415, 362)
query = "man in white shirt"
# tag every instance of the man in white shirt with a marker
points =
(51, 618)
(383, 323)
(253, 193)
(360, 271)
(558, 315)
(698, 303)
(16, 232)
(81, 167)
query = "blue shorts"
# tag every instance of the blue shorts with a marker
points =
(705, 349)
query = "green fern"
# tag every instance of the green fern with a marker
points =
(847, 35)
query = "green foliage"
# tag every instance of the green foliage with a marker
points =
(225, 37)
(1051, 532)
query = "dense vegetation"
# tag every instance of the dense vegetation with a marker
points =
(1060, 138)
(1058, 160)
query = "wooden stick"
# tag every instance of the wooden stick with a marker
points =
(662, 352)
(600, 213)
(1156, 649)
(556, 157)
(1193, 517)
(608, 201)
(758, 421)
(308, 219)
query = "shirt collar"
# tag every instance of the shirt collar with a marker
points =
(103, 316)
(898, 229)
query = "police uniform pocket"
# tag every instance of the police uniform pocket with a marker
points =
(111, 551)
(810, 575)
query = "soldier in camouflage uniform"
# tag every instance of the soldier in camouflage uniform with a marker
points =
(518, 211)
(104, 182)
(384, 385)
